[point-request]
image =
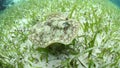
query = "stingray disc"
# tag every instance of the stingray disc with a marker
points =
(54, 30)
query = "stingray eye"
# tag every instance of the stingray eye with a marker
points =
(66, 18)
(66, 24)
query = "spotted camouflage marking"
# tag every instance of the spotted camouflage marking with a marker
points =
(56, 29)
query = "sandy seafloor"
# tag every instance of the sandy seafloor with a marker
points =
(53, 62)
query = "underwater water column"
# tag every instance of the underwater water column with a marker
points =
(2, 7)
(116, 2)
(5, 3)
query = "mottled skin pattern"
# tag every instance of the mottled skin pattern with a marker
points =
(56, 29)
